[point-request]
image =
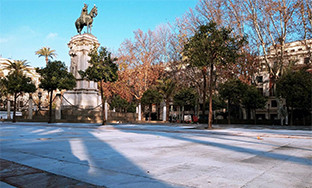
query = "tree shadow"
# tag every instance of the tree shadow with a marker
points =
(257, 152)
(249, 142)
(211, 134)
(78, 154)
(306, 133)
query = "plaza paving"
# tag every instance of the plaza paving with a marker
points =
(89, 155)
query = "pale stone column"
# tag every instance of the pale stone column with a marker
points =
(164, 112)
(106, 109)
(9, 110)
(139, 113)
(58, 106)
(30, 107)
(244, 113)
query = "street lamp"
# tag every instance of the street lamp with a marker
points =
(268, 111)
(39, 95)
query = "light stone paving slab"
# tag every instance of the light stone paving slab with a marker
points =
(162, 156)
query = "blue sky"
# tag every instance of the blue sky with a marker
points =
(28, 25)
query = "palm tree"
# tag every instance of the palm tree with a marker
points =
(1, 74)
(46, 52)
(17, 66)
(16, 82)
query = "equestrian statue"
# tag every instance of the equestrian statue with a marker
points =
(86, 19)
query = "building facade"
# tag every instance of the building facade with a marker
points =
(22, 101)
(295, 55)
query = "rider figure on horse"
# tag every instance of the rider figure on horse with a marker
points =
(84, 12)
(86, 19)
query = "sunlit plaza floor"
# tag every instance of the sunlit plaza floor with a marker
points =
(153, 156)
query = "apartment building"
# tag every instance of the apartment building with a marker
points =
(296, 55)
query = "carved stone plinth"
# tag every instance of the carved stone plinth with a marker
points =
(85, 95)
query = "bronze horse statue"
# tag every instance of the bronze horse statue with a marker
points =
(86, 19)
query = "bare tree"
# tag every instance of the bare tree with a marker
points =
(141, 63)
(271, 22)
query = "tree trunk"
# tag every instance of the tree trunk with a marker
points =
(103, 103)
(14, 108)
(210, 97)
(9, 109)
(47, 60)
(150, 112)
(248, 113)
(291, 114)
(229, 111)
(197, 107)
(158, 111)
(182, 114)
(179, 112)
(204, 71)
(50, 107)
(255, 118)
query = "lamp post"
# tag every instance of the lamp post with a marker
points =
(39, 95)
(268, 111)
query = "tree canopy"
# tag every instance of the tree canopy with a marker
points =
(55, 76)
(238, 93)
(102, 66)
(120, 104)
(296, 88)
(102, 69)
(150, 97)
(166, 88)
(16, 82)
(47, 53)
(185, 96)
(212, 45)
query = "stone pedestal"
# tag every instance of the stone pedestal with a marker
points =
(58, 108)
(30, 107)
(85, 94)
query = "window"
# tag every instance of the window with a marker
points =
(259, 79)
(306, 60)
(300, 49)
(273, 103)
(293, 50)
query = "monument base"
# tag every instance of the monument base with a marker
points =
(85, 94)
(83, 99)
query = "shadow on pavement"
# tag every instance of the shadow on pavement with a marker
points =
(77, 154)
(276, 156)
